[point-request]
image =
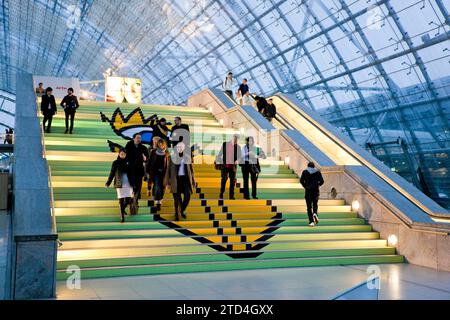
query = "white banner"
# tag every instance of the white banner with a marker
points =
(59, 85)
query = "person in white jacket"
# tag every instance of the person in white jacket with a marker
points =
(229, 84)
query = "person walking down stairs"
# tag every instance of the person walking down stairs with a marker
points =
(70, 105)
(48, 108)
(123, 182)
(137, 155)
(227, 160)
(180, 178)
(250, 166)
(311, 179)
(156, 168)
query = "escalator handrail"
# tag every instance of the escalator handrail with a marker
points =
(362, 160)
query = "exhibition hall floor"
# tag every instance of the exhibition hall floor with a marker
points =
(398, 281)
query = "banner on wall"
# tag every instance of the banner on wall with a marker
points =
(59, 85)
(123, 90)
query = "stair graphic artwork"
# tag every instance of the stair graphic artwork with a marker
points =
(270, 232)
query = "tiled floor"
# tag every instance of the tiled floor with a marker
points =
(398, 281)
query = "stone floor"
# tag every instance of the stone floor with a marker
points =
(398, 281)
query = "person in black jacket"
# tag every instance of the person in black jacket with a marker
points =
(137, 155)
(180, 132)
(161, 130)
(48, 108)
(311, 180)
(261, 104)
(123, 182)
(271, 110)
(228, 158)
(70, 105)
(250, 166)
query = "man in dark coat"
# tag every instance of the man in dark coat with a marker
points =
(137, 155)
(70, 105)
(180, 178)
(271, 110)
(180, 133)
(311, 180)
(228, 158)
(48, 108)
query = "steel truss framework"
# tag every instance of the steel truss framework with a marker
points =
(370, 67)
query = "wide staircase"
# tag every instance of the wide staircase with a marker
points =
(271, 232)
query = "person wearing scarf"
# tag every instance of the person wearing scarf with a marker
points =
(156, 169)
(123, 181)
(180, 178)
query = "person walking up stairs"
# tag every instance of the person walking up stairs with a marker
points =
(311, 180)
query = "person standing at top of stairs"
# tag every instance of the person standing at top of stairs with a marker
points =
(70, 105)
(229, 84)
(48, 108)
(311, 179)
(180, 179)
(180, 133)
(123, 181)
(250, 166)
(161, 130)
(137, 155)
(228, 158)
(156, 168)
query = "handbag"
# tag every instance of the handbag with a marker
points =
(134, 208)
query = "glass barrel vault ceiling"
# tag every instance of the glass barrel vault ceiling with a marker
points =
(377, 69)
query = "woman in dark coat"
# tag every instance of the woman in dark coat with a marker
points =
(157, 167)
(123, 182)
(48, 108)
(180, 178)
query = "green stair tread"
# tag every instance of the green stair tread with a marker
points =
(235, 265)
(220, 256)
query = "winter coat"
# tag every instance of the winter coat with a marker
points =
(311, 179)
(151, 170)
(46, 102)
(135, 158)
(118, 168)
(172, 174)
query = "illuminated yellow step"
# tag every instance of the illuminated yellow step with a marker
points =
(72, 250)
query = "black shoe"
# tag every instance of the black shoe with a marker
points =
(256, 198)
(183, 215)
(158, 207)
(48, 131)
(67, 131)
(247, 198)
(122, 219)
(177, 218)
(232, 198)
(70, 132)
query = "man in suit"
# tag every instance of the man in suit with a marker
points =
(228, 158)
(48, 108)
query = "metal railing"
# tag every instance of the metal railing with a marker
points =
(363, 161)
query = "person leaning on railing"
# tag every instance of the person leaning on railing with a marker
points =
(8, 136)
